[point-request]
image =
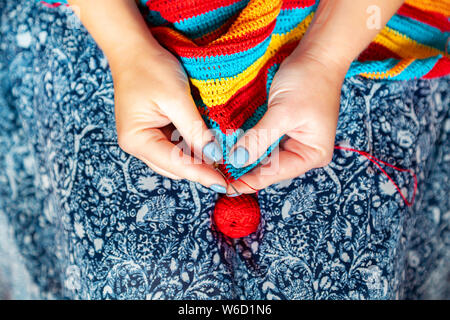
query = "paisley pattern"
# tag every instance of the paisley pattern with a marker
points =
(81, 219)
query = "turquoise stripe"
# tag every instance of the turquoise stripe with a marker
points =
(202, 68)
(420, 32)
(198, 26)
(418, 68)
(288, 19)
(155, 18)
(358, 67)
(228, 63)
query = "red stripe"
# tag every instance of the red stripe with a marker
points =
(434, 19)
(294, 4)
(190, 50)
(259, 34)
(377, 52)
(441, 68)
(51, 5)
(243, 104)
(176, 10)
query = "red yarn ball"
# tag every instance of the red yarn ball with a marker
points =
(237, 217)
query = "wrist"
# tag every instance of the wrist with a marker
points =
(332, 68)
(135, 49)
(333, 62)
(105, 21)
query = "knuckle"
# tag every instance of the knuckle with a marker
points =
(126, 142)
(325, 158)
(290, 172)
(259, 140)
(283, 109)
(197, 133)
(287, 117)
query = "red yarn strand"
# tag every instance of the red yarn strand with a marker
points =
(248, 185)
(239, 216)
(377, 162)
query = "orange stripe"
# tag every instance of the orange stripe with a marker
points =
(441, 6)
(395, 71)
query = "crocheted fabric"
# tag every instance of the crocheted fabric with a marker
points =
(231, 50)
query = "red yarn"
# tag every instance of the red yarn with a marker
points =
(237, 217)
(377, 162)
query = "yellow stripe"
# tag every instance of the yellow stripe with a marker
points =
(399, 67)
(256, 15)
(441, 6)
(404, 46)
(215, 92)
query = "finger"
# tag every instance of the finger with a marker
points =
(153, 147)
(159, 170)
(185, 116)
(268, 174)
(255, 142)
(290, 161)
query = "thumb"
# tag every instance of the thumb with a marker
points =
(186, 118)
(277, 121)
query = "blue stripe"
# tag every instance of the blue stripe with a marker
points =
(234, 64)
(204, 68)
(155, 18)
(417, 68)
(288, 19)
(420, 32)
(358, 67)
(198, 26)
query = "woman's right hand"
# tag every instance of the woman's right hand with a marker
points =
(152, 96)
(152, 99)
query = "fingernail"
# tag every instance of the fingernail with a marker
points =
(234, 195)
(239, 157)
(213, 151)
(218, 188)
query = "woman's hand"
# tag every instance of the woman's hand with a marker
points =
(303, 106)
(152, 96)
(304, 96)
(152, 99)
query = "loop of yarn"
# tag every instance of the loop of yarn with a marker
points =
(237, 217)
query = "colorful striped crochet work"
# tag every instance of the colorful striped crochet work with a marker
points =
(231, 50)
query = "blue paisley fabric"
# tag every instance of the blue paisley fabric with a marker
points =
(81, 219)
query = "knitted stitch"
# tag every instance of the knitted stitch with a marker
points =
(231, 50)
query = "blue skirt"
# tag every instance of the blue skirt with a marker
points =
(81, 219)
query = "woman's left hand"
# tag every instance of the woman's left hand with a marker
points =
(303, 104)
(305, 93)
